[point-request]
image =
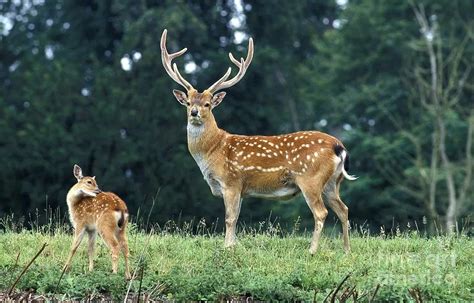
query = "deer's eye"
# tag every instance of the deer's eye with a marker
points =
(188, 103)
(207, 105)
(89, 182)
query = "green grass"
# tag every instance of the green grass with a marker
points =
(265, 265)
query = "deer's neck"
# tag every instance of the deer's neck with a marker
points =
(72, 197)
(204, 140)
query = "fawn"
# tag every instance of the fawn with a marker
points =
(92, 210)
(277, 167)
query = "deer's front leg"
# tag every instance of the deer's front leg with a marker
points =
(79, 233)
(232, 202)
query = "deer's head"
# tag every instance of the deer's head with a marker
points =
(85, 186)
(199, 105)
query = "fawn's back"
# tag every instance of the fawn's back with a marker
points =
(106, 206)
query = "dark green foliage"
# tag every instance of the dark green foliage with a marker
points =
(80, 106)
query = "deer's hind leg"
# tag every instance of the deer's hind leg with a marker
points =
(331, 196)
(312, 191)
(123, 242)
(108, 230)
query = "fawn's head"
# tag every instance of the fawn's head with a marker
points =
(199, 105)
(85, 186)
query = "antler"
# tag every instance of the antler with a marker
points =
(166, 58)
(242, 65)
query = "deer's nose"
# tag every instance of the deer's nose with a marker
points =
(194, 112)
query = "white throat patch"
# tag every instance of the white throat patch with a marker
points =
(195, 131)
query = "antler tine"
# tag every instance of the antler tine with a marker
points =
(242, 65)
(213, 87)
(181, 79)
(166, 59)
(235, 61)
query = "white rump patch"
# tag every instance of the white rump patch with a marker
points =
(340, 166)
(117, 215)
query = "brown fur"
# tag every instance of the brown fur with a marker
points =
(93, 211)
(276, 167)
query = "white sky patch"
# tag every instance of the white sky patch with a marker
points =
(347, 127)
(239, 36)
(14, 66)
(136, 56)
(49, 52)
(237, 22)
(342, 3)
(337, 24)
(205, 64)
(238, 5)
(190, 67)
(323, 122)
(126, 63)
(85, 92)
(429, 35)
(6, 25)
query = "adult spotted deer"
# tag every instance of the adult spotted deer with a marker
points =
(92, 210)
(278, 167)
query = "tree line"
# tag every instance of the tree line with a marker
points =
(82, 82)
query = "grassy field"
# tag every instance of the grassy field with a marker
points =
(265, 265)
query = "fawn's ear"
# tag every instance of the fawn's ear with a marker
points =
(78, 172)
(217, 99)
(180, 96)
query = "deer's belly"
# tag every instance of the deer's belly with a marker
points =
(283, 193)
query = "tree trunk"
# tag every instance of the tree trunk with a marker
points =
(452, 201)
(430, 208)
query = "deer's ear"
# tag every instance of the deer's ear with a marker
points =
(78, 172)
(217, 99)
(180, 96)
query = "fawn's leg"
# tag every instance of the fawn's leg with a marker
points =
(108, 230)
(123, 241)
(90, 251)
(79, 233)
